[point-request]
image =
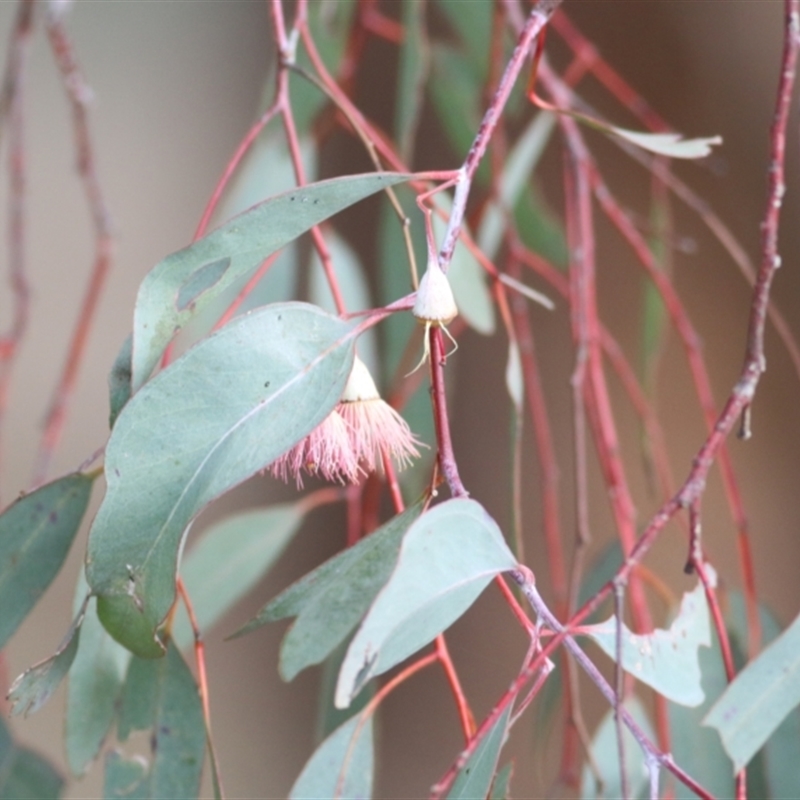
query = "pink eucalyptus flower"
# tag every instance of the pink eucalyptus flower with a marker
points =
(352, 440)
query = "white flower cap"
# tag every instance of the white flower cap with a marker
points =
(435, 304)
(360, 385)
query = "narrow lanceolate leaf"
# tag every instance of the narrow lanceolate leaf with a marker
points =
(185, 282)
(224, 410)
(341, 766)
(31, 690)
(24, 774)
(414, 65)
(605, 756)
(668, 144)
(501, 786)
(95, 681)
(666, 660)
(447, 558)
(759, 698)
(36, 532)
(330, 601)
(170, 701)
(475, 778)
(229, 560)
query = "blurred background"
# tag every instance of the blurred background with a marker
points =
(175, 87)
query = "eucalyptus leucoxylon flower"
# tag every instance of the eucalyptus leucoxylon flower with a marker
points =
(352, 440)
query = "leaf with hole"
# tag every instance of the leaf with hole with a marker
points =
(330, 601)
(229, 560)
(666, 660)
(36, 532)
(447, 558)
(185, 282)
(341, 767)
(223, 411)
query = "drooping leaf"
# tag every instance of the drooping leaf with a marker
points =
(229, 560)
(240, 245)
(467, 279)
(519, 165)
(24, 774)
(125, 778)
(119, 381)
(170, 706)
(539, 227)
(31, 690)
(605, 753)
(601, 571)
(94, 684)
(354, 287)
(759, 698)
(668, 144)
(413, 70)
(36, 532)
(447, 558)
(341, 767)
(475, 778)
(473, 23)
(224, 410)
(666, 660)
(514, 378)
(330, 601)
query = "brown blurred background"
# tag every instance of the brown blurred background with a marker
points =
(176, 84)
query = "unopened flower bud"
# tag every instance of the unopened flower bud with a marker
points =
(435, 304)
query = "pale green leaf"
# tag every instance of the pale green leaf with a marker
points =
(224, 410)
(605, 753)
(447, 558)
(341, 767)
(759, 699)
(125, 778)
(31, 690)
(501, 786)
(95, 681)
(666, 660)
(119, 381)
(185, 282)
(354, 287)
(412, 73)
(230, 559)
(36, 532)
(24, 774)
(475, 778)
(668, 144)
(330, 601)
(467, 278)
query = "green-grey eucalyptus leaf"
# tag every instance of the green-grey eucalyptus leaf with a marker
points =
(230, 559)
(137, 707)
(447, 558)
(36, 532)
(667, 144)
(223, 411)
(183, 283)
(172, 702)
(475, 778)
(605, 754)
(31, 690)
(341, 767)
(94, 684)
(759, 699)
(330, 601)
(24, 774)
(501, 786)
(467, 279)
(666, 660)
(125, 778)
(354, 287)
(119, 380)
(412, 73)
